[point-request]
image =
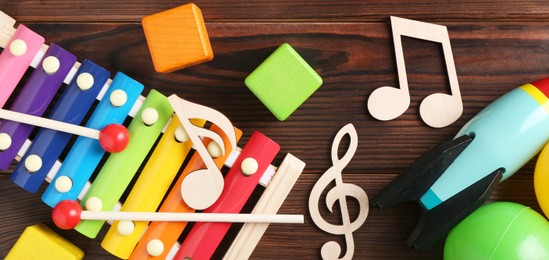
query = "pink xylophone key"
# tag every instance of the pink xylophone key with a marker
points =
(16, 58)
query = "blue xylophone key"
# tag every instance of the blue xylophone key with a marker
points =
(86, 153)
(34, 98)
(72, 106)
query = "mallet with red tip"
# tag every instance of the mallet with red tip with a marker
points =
(113, 138)
(68, 213)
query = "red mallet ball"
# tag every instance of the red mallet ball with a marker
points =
(66, 214)
(114, 138)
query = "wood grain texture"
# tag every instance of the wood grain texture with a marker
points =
(273, 10)
(497, 46)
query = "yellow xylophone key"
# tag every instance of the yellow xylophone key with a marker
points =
(150, 188)
(166, 234)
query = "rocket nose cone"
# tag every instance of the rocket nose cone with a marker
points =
(542, 85)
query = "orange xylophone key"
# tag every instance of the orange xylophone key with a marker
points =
(167, 233)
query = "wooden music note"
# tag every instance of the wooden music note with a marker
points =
(331, 249)
(437, 110)
(201, 188)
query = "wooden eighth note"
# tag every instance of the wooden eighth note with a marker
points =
(331, 249)
(437, 110)
(201, 188)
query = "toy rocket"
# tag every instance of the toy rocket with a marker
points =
(452, 180)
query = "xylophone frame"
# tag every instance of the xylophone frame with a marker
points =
(279, 181)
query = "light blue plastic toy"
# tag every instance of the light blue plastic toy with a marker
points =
(455, 178)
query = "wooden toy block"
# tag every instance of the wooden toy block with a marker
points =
(40, 242)
(283, 81)
(177, 38)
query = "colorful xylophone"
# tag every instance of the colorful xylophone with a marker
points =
(153, 117)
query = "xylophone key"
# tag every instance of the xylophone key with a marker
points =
(150, 188)
(71, 107)
(34, 98)
(119, 169)
(240, 182)
(86, 153)
(166, 234)
(270, 201)
(16, 58)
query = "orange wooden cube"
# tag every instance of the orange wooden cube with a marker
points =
(177, 38)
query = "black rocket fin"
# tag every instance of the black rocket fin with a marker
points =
(422, 174)
(437, 222)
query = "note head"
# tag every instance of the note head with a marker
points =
(440, 110)
(200, 189)
(330, 250)
(387, 103)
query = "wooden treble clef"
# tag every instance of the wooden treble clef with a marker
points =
(340, 192)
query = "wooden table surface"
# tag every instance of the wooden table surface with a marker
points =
(498, 45)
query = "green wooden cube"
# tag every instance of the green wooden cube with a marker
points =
(283, 81)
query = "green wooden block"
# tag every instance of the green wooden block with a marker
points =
(283, 81)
